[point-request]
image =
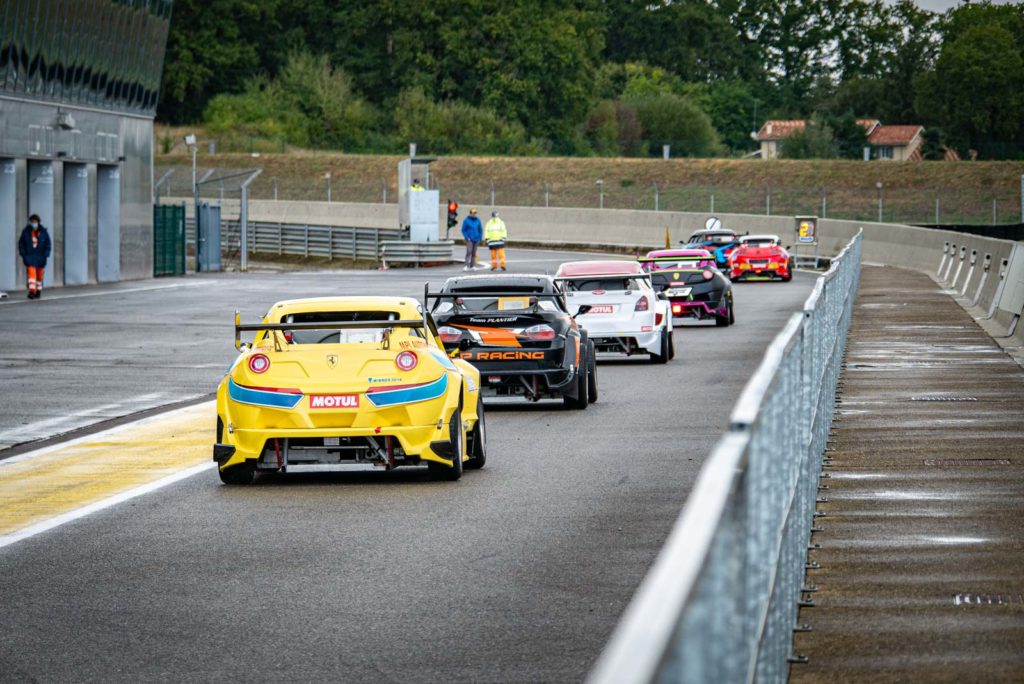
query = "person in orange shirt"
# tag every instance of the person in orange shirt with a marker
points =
(34, 248)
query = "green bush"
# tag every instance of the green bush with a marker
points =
(677, 121)
(309, 104)
(449, 127)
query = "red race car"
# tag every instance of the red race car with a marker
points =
(760, 256)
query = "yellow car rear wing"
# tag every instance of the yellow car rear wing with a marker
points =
(321, 325)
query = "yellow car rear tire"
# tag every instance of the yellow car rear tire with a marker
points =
(241, 474)
(440, 471)
(478, 450)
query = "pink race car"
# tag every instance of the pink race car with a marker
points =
(692, 283)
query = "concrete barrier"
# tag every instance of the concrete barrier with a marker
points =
(986, 273)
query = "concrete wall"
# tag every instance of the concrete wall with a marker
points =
(29, 133)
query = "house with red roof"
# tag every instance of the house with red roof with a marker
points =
(899, 143)
(884, 142)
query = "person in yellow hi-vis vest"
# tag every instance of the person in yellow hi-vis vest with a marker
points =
(495, 234)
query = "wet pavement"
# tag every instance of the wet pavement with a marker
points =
(921, 556)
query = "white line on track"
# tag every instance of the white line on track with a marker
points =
(54, 426)
(38, 528)
(109, 292)
(103, 433)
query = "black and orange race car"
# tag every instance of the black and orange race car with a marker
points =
(518, 331)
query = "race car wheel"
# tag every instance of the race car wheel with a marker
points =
(726, 320)
(663, 353)
(582, 398)
(671, 346)
(592, 376)
(440, 471)
(478, 441)
(241, 474)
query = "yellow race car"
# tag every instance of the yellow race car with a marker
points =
(337, 381)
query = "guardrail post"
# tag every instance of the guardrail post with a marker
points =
(355, 237)
(280, 231)
(330, 244)
(376, 240)
(305, 241)
(986, 264)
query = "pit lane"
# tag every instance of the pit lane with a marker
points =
(517, 572)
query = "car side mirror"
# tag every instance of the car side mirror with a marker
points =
(584, 308)
(465, 344)
(789, 248)
(662, 296)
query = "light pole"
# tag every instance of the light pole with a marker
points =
(600, 190)
(327, 176)
(880, 205)
(190, 140)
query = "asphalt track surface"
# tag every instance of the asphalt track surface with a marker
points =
(516, 573)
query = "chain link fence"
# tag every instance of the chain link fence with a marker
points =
(997, 205)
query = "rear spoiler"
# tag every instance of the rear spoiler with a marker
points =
(324, 325)
(624, 276)
(709, 257)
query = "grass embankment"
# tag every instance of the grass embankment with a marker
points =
(965, 190)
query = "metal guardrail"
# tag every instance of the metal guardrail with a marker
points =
(404, 251)
(720, 603)
(293, 239)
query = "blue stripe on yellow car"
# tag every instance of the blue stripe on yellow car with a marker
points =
(409, 394)
(258, 397)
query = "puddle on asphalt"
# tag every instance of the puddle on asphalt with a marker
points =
(955, 540)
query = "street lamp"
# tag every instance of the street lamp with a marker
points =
(879, 186)
(600, 189)
(327, 176)
(190, 140)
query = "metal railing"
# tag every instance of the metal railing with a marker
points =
(720, 603)
(293, 239)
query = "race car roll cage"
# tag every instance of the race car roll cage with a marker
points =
(532, 389)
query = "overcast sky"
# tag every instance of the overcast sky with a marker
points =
(943, 5)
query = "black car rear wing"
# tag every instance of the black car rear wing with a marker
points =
(322, 325)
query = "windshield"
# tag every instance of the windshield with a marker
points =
(608, 284)
(372, 335)
(767, 242)
(713, 238)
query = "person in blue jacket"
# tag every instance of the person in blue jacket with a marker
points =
(34, 248)
(473, 233)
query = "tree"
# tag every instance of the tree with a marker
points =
(816, 141)
(669, 119)
(976, 92)
(213, 46)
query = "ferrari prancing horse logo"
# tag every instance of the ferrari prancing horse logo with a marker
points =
(332, 360)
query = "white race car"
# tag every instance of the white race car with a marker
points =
(625, 316)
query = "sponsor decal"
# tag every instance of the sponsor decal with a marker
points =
(333, 401)
(646, 328)
(601, 309)
(497, 319)
(384, 379)
(504, 356)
